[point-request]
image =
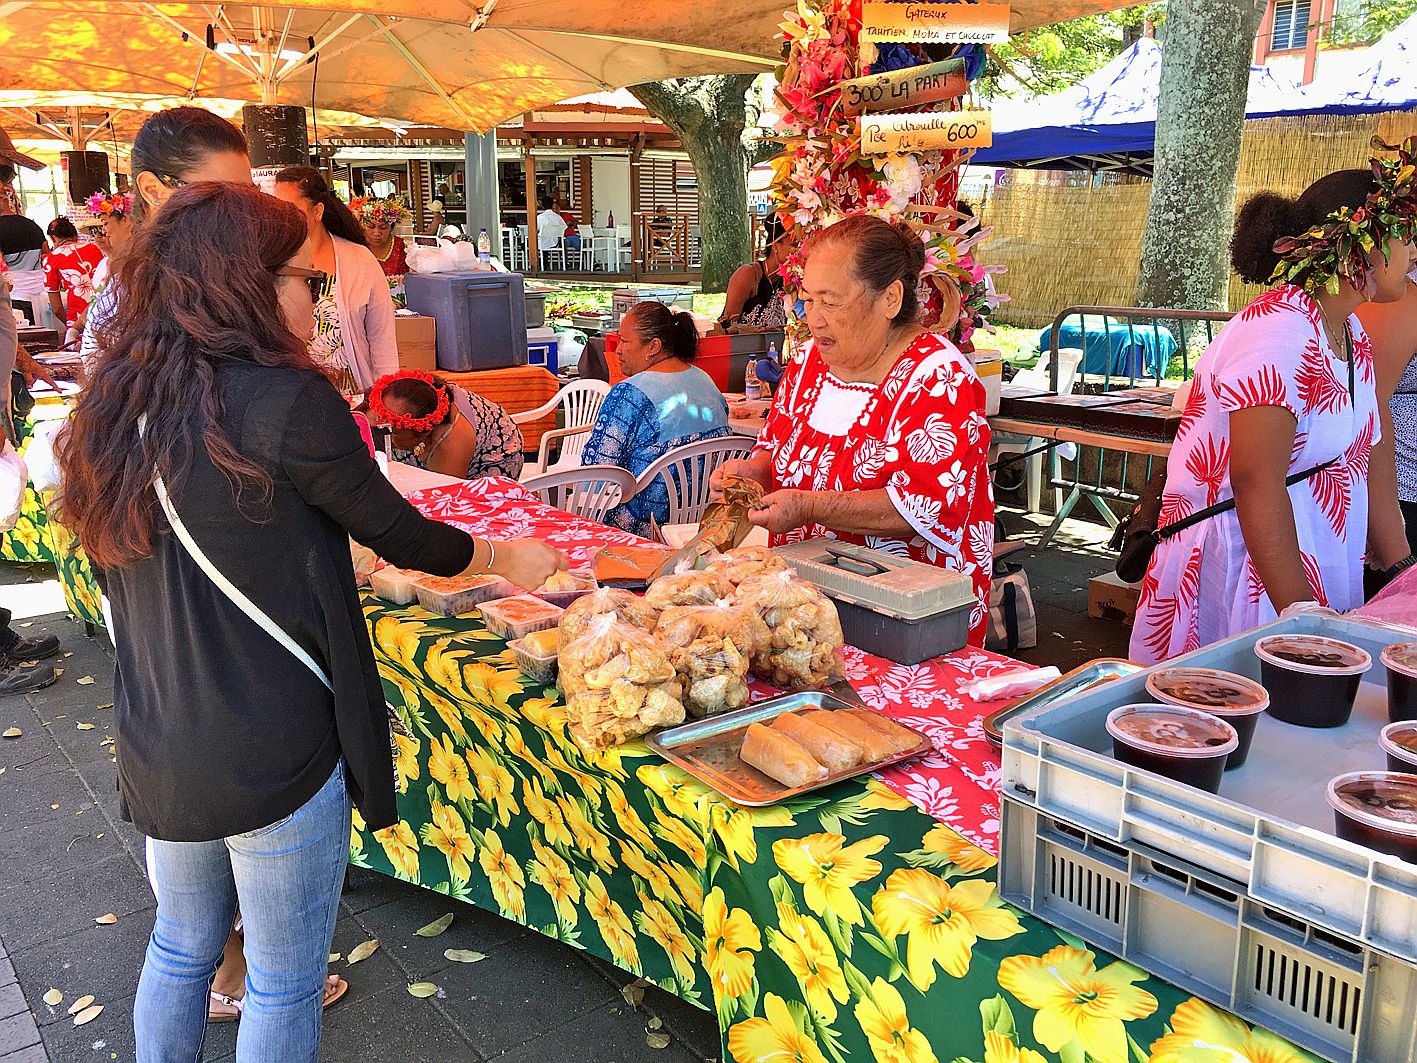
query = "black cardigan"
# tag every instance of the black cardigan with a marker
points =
(220, 729)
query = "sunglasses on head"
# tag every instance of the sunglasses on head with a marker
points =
(314, 278)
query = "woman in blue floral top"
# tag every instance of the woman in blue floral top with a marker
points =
(666, 403)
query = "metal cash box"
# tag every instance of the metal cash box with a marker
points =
(890, 606)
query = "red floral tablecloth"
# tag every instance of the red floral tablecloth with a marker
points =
(958, 784)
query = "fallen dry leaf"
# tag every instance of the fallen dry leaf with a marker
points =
(105, 705)
(80, 1004)
(654, 1023)
(2, 771)
(436, 927)
(106, 920)
(334, 956)
(363, 951)
(13, 732)
(53, 806)
(85, 726)
(53, 997)
(463, 955)
(634, 994)
(422, 989)
(655, 1039)
(28, 624)
(86, 681)
(88, 1015)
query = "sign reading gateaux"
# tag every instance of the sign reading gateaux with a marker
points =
(930, 23)
(896, 90)
(901, 134)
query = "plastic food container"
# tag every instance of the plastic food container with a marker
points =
(896, 608)
(1377, 809)
(396, 585)
(585, 583)
(513, 618)
(455, 595)
(1399, 742)
(1236, 700)
(536, 655)
(1400, 660)
(1311, 680)
(1180, 743)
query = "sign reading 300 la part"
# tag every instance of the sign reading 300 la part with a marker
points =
(903, 134)
(911, 86)
(929, 23)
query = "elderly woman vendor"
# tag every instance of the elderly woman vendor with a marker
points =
(877, 433)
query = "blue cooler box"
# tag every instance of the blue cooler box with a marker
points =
(481, 317)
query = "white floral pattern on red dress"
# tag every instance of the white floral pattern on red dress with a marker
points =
(1201, 585)
(922, 437)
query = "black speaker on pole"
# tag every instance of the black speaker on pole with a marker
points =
(276, 135)
(86, 172)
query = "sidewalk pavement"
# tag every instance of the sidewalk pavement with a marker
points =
(68, 860)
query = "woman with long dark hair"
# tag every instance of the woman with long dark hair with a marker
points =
(353, 341)
(214, 477)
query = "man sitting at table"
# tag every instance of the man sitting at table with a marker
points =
(550, 227)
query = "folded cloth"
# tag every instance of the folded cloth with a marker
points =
(1010, 684)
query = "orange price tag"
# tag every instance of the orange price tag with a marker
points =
(902, 134)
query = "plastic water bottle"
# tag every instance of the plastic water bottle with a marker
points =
(484, 247)
(753, 387)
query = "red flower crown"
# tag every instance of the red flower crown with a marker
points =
(403, 421)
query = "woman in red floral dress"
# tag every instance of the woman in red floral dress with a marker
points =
(877, 433)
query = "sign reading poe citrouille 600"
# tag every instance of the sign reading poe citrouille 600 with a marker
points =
(931, 23)
(896, 90)
(902, 134)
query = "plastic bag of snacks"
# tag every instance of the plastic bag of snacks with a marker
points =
(711, 648)
(365, 562)
(745, 563)
(804, 650)
(619, 684)
(607, 601)
(687, 588)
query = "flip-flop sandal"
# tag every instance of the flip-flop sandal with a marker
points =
(222, 1016)
(334, 991)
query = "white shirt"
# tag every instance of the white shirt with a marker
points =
(550, 227)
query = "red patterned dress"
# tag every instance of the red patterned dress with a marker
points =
(920, 435)
(1201, 585)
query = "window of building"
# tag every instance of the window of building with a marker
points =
(1291, 25)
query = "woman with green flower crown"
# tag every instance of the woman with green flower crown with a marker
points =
(1282, 417)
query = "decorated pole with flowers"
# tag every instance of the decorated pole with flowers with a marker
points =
(832, 77)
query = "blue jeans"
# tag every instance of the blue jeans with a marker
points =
(287, 878)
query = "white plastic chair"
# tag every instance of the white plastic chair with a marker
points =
(624, 247)
(1037, 378)
(579, 404)
(687, 471)
(590, 491)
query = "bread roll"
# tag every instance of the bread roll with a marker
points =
(779, 757)
(847, 726)
(826, 746)
(903, 737)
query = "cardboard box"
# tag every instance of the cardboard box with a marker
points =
(1108, 598)
(417, 337)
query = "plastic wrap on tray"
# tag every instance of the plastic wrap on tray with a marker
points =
(563, 588)
(536, 655)
(520, 615)
(455, 595)
(619, 684)
(711, 647)
(395, 584)
(745, 563)
(804, 649)
(365, 561)
(687, 588)
(607, 601)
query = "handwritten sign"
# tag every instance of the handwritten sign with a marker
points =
(929, 23)
(896, 90)
(893, 134)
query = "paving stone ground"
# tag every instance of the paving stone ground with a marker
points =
(66, 859)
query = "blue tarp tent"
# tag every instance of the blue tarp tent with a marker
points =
(1108, 120)
(1388, 81)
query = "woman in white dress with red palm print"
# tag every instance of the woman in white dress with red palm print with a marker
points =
(1286, 387)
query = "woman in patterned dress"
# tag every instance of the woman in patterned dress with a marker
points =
(445, 428)
(1287, 386)
(877, 433)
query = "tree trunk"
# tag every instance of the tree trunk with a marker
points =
(1205, 71)
(709, 115)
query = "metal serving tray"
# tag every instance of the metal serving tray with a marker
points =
(1092, 674)
(708, 750)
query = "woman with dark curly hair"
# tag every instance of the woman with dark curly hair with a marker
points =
(1282, 417)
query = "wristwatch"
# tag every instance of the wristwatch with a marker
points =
(1406, 563)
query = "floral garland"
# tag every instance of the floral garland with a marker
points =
(402, 421)
(1340, 246)
(103, 205)
(823, 176)
(371, 210)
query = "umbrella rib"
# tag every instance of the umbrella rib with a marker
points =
(554, 58)
(154, 12)
(418, 67)
(692, 49)
(14, 8)
(319, 49)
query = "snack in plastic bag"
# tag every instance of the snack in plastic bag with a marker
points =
(365, 562)
(805, 642)
(687, 588)
(607, 601)
(619, 684)
(745, 563)
(710, 647)
(559, 581)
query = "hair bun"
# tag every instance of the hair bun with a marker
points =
(914, 246)
(1263, 219)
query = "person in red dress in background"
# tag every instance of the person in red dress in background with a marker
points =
(877, 434)
(380, 217)
(68, 275)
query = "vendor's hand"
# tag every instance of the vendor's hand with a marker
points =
(754, 468)
(784, 511)
(1309, 608)
(33, 370)
(528, 562)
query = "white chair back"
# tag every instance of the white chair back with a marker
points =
(589, 492)
(687, 470)
(1069, 360)
(580, 402)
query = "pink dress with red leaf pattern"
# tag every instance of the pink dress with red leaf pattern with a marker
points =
(1201, 585)
(920, 435)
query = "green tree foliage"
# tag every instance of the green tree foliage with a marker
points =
(1366, 22)
(1051, 58)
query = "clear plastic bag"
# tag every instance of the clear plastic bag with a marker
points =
(804, 649)
(607, 601)
(687, 588)
(745, 563)
(711, 648)
(619, 684)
